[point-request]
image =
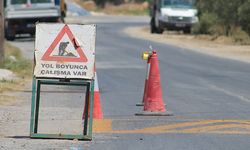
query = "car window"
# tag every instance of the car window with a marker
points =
(41, 1)
(178, 3)
(15, 2)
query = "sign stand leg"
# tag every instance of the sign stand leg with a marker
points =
(33, 106)
(86, 113)
(91, 106)
(37, 106)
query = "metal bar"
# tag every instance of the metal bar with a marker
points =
(85, 114)
(33, 106)
(48, 82)
(60, 136)
(37, 105)
(85, 130)
(51, 78)
(91, 107)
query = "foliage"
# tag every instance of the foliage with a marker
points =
(244, 16)
(206, 23)
(223, 17)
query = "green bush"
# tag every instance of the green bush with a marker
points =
(244, 16)
(206, 24)
(224, 17)
(239, 36)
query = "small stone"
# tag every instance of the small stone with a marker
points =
(6, 75)
(75, 140)
(12, 58)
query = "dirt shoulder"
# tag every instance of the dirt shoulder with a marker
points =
(221, 47)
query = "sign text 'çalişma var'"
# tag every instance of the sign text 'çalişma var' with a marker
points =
(64, 69)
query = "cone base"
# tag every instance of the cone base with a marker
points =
(139, 104)
(147, 113)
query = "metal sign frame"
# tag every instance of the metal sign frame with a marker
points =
(35, 103)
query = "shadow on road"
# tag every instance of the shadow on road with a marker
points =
(18, 137)
(24, 39)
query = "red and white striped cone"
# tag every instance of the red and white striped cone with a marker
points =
(146, 84)
(97, 112)
(97, 109)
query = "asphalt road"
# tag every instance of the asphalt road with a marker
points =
(209, 97)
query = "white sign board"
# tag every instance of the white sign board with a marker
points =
(65, 51)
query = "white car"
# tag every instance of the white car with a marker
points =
(173, 15)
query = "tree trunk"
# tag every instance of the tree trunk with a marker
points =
(100, 3)
(118, 2)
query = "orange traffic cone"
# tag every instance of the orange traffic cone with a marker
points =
(153, 104)
(97, 110)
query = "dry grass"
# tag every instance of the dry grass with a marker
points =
(15, 62)
(88, 5)
(7, 86)
(12, 85)
(5, 99)
(20, 66)
(123, 9)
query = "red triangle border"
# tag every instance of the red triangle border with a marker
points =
(65, 30)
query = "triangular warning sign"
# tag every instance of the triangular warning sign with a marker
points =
(69, 57)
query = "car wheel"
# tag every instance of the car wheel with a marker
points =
(10, 38)
(10, 35)
(187, 30)
(160, 30)
(152, 26)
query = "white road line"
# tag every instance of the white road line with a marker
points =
(227, 92)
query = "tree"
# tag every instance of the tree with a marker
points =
(1, 31)
(244, 17)
(229, 14)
